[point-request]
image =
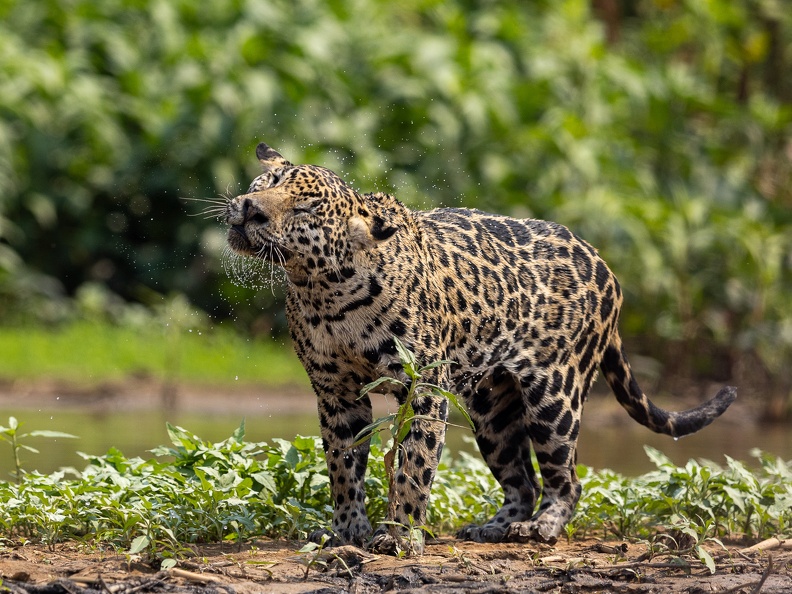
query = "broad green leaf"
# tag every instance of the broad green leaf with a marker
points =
(209, 471)
(369, 429)
(162, 451)
(706, 559)
(304, 444)
(456, 404)
(436, 364)
(292, 457)
(407, 358)
(375, 384)
(228, 481)
(202, 473)
(737, 497)
(239, 433)
(167, 564)
(139, 544)
(658, 458)
(180, 437)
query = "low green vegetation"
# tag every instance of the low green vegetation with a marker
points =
(195, 491)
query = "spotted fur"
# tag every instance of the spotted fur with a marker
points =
(527, 310)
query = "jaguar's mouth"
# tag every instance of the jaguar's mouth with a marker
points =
(239, 241)
(267, 250)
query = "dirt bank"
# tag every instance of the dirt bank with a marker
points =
(448, 566)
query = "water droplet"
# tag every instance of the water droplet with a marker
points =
(236, 377)
(676, 438)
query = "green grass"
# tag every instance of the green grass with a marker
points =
(93, 352)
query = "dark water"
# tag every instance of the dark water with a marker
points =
(618, 447)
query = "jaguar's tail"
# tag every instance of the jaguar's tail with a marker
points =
(620, 378)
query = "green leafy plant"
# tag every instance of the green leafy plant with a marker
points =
(311, 555)
(713, 500)
(195, 491)
(398, 424)
(12, 436)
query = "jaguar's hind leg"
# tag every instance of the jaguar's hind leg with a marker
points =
(498, 411)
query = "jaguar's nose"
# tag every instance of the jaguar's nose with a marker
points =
(244, 210)
(251, 213)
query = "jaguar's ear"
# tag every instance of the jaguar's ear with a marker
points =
(380, 230)
(365, 234)
(270, 158)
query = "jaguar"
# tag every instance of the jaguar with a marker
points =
(526, 311)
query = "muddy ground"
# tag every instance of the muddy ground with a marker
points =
(448, 566)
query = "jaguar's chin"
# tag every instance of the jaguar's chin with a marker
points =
(273, 253)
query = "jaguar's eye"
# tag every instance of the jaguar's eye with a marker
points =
(302, 209)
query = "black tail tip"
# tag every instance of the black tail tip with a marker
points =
(690, 421)
(725, 396)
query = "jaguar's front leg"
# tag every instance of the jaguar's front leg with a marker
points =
(341, 419)
(408, 496)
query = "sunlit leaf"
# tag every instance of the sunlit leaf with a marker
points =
(239, 432)
(378, 382)
(47, 433)
(407, 358)
(451, 397)
(139, 544)
(367, 431)
(706, 559)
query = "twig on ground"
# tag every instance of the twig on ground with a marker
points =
(765, 575)
(770, 544)
(192, 576)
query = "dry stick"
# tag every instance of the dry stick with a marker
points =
(765, 575)
(146, 584)
(192, 576)
(770, 544)
(750, 561)
(637, 565)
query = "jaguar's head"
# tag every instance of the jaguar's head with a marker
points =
(302, 217)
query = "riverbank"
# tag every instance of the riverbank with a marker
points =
(448, 566)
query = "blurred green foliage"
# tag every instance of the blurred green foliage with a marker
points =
(658, 130)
